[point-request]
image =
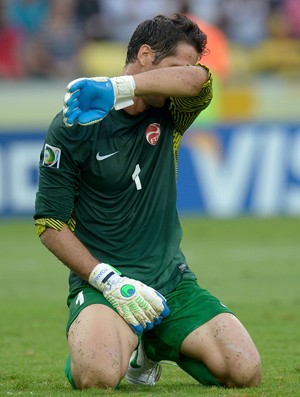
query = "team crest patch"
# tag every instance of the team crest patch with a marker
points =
(51, 156)
(153, 133)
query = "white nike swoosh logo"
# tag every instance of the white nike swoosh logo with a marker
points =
(100, 158)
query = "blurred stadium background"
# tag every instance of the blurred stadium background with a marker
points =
(241, 157)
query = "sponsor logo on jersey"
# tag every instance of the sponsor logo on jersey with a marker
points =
(51, 156)
(153, 133)
(106, 156)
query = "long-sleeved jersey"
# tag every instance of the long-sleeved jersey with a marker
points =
(114, 184)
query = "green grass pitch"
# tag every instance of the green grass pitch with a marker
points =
(253, 265)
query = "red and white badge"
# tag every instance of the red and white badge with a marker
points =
(153, 133)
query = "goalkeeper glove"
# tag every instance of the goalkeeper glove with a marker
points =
(89, 100)
(141, 306)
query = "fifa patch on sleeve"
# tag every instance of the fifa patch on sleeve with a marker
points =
(51, 156)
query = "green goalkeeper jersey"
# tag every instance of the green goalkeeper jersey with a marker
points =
(114, 184)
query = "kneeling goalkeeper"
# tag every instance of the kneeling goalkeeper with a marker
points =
(106, 208)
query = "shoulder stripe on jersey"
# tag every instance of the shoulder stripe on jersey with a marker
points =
(185, 110)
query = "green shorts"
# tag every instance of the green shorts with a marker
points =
(191, 306)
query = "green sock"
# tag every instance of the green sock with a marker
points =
(198, 371)
(69, 373)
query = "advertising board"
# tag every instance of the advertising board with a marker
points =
(224, 171)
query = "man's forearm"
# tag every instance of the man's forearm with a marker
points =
(141, 306)
(172, 81)
(69, 250)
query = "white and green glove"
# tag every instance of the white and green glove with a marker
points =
(89, 100)
(142, 307)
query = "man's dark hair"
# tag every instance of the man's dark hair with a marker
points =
(163, 34)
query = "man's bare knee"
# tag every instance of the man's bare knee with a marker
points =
(247, 375)
(252, 375)
(92, 377)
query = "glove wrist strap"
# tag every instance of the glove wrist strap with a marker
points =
(101, 274)
(124, 87)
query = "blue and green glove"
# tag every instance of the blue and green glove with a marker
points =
(142, 307)
(88, 100)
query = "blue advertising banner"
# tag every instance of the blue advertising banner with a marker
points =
(224, 171)
(242, 169)
(19, 158)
